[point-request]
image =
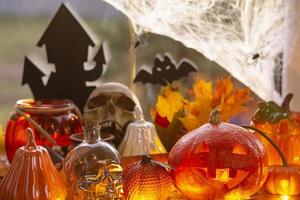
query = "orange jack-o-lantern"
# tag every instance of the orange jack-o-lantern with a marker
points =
(218, 161)
(283, 126)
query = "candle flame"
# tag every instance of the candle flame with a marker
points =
(284, 197)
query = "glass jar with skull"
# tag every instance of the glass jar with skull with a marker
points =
(93, 169)
(113, 105)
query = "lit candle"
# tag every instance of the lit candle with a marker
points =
(284, 197)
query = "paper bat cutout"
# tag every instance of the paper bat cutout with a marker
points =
(164, 71)
(67, 43)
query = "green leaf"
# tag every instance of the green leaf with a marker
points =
(270, 112)
(170, 135)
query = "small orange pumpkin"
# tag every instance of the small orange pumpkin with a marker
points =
(147, 179)
(32, 175)
(218, 161)
(283, 126)
(282, 179)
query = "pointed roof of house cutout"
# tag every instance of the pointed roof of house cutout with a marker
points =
(67, 25)
(30, 72)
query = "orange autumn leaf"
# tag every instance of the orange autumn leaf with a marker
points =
(224, 88)
(200, 108)
(230, 102)
(234, 103)
(168, 103)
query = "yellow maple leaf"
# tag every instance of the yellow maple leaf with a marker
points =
(199, 109)
(190, 122)
(229, 101)
(169, 103)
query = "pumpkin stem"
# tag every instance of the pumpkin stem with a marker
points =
(286, 102)
(282, 156)
(214, 117)
(146, 159)
(30, 141)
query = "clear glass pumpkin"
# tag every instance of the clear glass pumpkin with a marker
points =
(93, 169)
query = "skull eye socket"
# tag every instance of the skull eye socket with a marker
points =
(97, 101)
(125, 103)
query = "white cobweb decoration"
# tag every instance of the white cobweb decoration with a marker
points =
(243, 36)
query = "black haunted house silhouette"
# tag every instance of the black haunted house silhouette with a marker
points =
(67, 44)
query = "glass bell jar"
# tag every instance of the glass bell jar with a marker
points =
(52, 121)
(141, 138)
(92, 168)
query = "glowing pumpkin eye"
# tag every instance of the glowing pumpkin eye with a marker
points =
(202, 148)
(239, 149)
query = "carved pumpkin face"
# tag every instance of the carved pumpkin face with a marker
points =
(218, 160)
(283, 126)
(283, 180)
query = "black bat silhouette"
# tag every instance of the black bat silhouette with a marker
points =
(164, 72)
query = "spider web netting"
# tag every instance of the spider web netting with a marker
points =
(243, 36)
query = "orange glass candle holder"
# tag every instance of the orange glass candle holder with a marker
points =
(52, 121)
(288, 142)
(282, 125)
(147, 179)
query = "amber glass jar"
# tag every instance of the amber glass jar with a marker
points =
(52, 120)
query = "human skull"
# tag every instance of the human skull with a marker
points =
(113, 105)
